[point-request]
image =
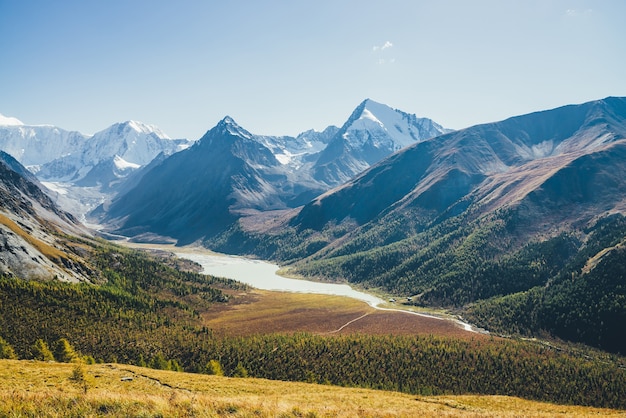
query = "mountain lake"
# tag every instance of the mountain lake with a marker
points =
(262, 275)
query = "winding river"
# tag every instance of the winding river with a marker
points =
(262, 275)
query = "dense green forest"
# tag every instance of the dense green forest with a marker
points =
(477, 266)
(450, 264)
(147, 313)
(587, 304)
(141, 304)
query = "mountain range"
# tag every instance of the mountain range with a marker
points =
(36, 145)
(82, 170)
(517, 224)
(532, 160)
(231, 173)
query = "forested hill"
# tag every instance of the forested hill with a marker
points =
(150, 314)
(484, 212)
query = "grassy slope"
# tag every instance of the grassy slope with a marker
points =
(39, 389)
(122, 325)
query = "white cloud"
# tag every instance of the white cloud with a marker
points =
(382, 47)
(382, 56)
(578, 12)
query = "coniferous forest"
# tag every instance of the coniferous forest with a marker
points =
(147, 313)
(571, 285)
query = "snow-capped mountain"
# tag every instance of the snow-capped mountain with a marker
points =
(295, 151)
(201, 190)
(231, 173)
(124, 147)
(372, 132)
(9, 121)
(35, 145)
(106, 161)
(80, 170)
(380, 127)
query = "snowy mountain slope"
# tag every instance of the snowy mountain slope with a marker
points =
(382, 127)
(125, 145)
(82, 171)
(372, 132)
(35, 145)
(295, 151)
(9, 121)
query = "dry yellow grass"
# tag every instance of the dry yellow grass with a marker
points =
(37, 389)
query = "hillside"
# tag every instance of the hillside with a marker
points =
(32, 230)
(115, 390)
(149, 314)
(487, 211)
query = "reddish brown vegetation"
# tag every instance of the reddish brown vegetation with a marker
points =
(263, 312)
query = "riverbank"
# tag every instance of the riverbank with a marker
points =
(264, 275)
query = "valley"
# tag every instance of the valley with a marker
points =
(282, 304)
(516, 225)
(312, 209)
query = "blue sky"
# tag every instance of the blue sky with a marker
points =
(282, 67)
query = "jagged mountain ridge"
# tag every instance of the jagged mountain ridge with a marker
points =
(297, 151)
(88, 170)
(248, 173)
(122, 146)
(199, 191)
(80, 170)
(36, 145)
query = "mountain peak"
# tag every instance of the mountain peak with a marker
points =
(400, 129)
(229, 126)
(228, 120)
(9, 121)
(370, 102)
(139, 127)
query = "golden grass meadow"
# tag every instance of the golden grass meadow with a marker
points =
(39, 389)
